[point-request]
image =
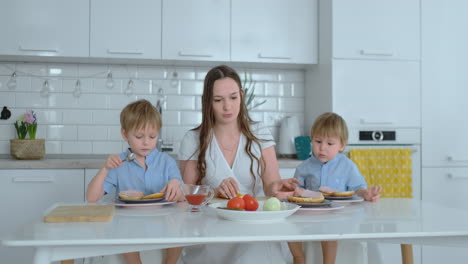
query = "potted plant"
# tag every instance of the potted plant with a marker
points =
(27, 149)
(249, 87)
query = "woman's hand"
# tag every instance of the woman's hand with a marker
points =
(228, 188)
(113, 161)
(284, 188)
(372, 194)
(172, 190)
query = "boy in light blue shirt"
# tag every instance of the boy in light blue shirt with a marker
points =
(329, 168)
(150, 172)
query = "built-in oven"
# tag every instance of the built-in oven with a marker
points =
(377, 138)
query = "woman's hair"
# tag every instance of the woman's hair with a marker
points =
(139, 115)
(208, 119)
(330, 125)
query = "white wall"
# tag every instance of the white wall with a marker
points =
(89, 124)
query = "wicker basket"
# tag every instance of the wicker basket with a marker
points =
(27, 149)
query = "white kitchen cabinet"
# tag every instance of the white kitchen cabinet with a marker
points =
(278, 31)
(125, 29)
(377, 93)
(45, 28)
(370, 29)
(444, 83)
(196, 30)
(454, 182)
(28, 193)
(370, 91)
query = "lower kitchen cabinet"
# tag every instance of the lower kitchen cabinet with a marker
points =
(27, 194)
(454, 180)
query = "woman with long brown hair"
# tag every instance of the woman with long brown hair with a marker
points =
(232, 154)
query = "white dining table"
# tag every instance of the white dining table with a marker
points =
(400, 221)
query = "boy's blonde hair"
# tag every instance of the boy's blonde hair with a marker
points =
(330, 125)
(140, 115)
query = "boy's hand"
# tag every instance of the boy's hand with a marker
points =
(172, 190)
(372, 194)
(113, 161)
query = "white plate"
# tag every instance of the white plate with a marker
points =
(354, 199)
(161, 202)
(287, 209)
(339, 198)
(332, 207)
(139, 201)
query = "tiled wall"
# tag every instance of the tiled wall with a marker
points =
(89, 123)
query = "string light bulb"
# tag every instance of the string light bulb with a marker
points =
(109, 81)
(77, 91)
(45, 91)
(11, 84)
(130, 86)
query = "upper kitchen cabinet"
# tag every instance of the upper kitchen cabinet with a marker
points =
(278, 31)
(196, 30)
(44, 28)
(125, 29)
(370, 29)
(376, 93)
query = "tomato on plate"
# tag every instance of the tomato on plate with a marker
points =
(251, 204)
(236, 203)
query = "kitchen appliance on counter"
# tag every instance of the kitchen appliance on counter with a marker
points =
(289, 130)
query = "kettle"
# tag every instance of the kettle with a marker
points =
(289, 130)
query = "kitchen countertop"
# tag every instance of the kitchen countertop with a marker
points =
(71, 161)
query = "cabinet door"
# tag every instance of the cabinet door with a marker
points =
(286, 173)
(196, 30)
(444, 81)
(30, 193)
(89, 175)
(377, 93)
(126, 29)
(279, 31)
(376, 29)
(45, 28)
(454, 182)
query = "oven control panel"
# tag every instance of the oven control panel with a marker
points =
(377, 135)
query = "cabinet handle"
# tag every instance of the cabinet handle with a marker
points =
(452, 159)
(33, 179)
(273, 57)
(193, 54)
(37, 50)
(371, 122)
(451, 176)
(137, 52)
(376, 53)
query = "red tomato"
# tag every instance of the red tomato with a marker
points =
(236, 203)
(251, 203)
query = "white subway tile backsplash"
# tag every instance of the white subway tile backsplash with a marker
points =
(90, 123)
(77, 117)
(151, 72)
(191, 87)
(53, 147)
(77, 147)
(61, 132)
(291, 104)
(7, 130)
(108, 147)
(92, 133)
(114, 133)
(274, 89)
(171, 118)
(190, 118)
(106, 117)
(180, 102)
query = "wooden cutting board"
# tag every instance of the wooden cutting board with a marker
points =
(80, 213)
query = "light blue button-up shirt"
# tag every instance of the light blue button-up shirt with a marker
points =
(339, 173)
(131, 176)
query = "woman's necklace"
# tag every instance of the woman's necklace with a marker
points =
(230, 148)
